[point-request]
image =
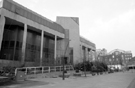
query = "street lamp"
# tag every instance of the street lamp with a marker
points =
(64, 58)
(84, 66)
(84, 60)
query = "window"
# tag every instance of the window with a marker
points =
(17, 44)
(12, 44)
(20, 44)
(6, 44)
(43, 49)
(116, 53)
(110, 60)
(32, 47)
(38, 47)
(113, 56)
(3, 43)
(46, 55)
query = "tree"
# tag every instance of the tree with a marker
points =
(92, 66)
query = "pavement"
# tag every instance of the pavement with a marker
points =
(132, 84)
(113, 80)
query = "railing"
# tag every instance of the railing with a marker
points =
(43, 69)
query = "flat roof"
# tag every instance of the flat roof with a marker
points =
(87, 42)
(14, 7)
(126, 52)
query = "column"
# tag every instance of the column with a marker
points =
(89, 54)
(55, 49)
(24, 44)
(2, 24)
(41, 47)
(94, 54)
(86, 53)
(81, 49)
(83, 53)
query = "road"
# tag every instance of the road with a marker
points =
(113, 80)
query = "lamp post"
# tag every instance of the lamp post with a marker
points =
(84, 67)
(63, 77)
(84, 60)
(63, 58)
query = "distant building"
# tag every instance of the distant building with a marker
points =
(88, 53)
(100, 52)
(131, 63)
(117, 57)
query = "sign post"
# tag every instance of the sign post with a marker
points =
(63, 77)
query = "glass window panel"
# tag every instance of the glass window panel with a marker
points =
(12, 44)
(6, 44)
(17, 44)
(3, 43)
(20, 44)
(38, 48)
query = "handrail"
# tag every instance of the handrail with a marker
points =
(43, 69)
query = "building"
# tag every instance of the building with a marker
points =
(125, 56)
(131, 63)
(29, 39)
(82, 48)
(100, 52)
(88, 52)
(117, 58)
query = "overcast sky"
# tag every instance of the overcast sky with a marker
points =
(110, 24)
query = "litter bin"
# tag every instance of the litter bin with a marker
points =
(20, 76)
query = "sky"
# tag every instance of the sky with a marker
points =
(110, 24)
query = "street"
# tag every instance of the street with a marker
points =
(113, 80)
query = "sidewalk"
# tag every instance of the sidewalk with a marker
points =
(113, 80)
(132, 84)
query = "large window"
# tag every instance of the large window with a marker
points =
(60, 52)
(12, 42)
(48, 51)
(33, 44)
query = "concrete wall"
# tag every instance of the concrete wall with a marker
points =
(69, 25)
(72, 24)
(27, 22)
(87, 43)
(87, 50)
(14, 7)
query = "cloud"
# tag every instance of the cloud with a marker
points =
(123, 19)
(121, 22)
(35, 1)
(31, 4)
(118, 32)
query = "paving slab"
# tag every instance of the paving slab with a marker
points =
(113, 80)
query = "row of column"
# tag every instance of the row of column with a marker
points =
(87, 53)
(2, 23)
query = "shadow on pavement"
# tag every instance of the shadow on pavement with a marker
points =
(132, 84)
(22, 84)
